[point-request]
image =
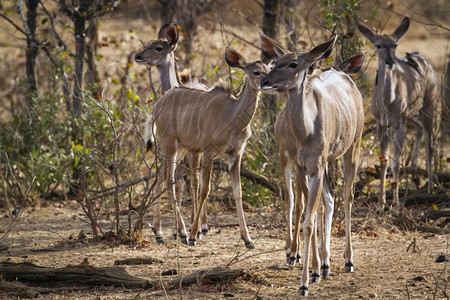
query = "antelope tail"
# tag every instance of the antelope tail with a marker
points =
(149, 137)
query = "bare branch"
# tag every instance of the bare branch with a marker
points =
(13, 24)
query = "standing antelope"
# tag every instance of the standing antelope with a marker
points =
(322, 121)
(212, 123)
(405, 89)
(160, 53)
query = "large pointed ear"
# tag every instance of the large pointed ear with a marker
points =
(270, 48)
(234, 59)
(320, 51)
(353, 64)
(366, 31)
(162, 32)
(326, 54)
(402, 29)
(172, 35)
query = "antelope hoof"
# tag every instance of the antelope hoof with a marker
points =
(191, 242)
(325, 271)
(349, 267)
(183, 239)
(159, 240)
(303, 291)
(249, 245)
(199, 235)
(298, 258)
(205, 231)
(315, 278)
(291, 260)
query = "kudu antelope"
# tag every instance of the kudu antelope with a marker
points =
(350, 65)
(160, 53)
(405, 89)
(322, 121)
(212, 123)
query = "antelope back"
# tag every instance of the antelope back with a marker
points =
(198, 119)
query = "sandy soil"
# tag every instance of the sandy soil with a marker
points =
(47, 235)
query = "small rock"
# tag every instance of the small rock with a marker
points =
(419, 278)
(442, 258)
(278, 268)
(228, 295)
(169, 272)
(373, 295)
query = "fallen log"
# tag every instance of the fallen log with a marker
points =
(410, 224)
(17, 289)
(32, 274)
(255, 177)
(424, 198)
(138, 261)
(210, 276)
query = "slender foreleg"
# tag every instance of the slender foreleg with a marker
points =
(383, 134)
(157, 204)
(328, 208)
(300, 195)
(286, 169)
(194, 163)
(351, 162)
(428, 130)
(171, 184)
(205, 175)
(315, 261)
(399, 137)
(315, 189)
(234, 165)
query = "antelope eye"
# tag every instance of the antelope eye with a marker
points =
(256, 73)
(378, 46)
(293, 65)
(159, 48)
(395, 46)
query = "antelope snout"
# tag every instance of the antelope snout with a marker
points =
(138, 57)
(264, 83)
(390, 64)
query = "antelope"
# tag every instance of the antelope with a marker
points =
(160, 53)
(211, 123)
(405, 89)
(322, 121)
(350, 65)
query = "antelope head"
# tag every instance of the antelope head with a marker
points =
(255, 70)
(158, 52)
(385, 44)
(290, 68)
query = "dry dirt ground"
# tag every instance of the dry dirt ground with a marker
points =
(47, 235)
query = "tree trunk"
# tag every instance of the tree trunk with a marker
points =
(187, 17)
(270, 18)
(291, 22)
(32, 49)
(79, 23)
(92, 75)
(445, 114)
(269, 26)
(168, 10)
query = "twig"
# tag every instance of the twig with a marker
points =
(238, 37)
